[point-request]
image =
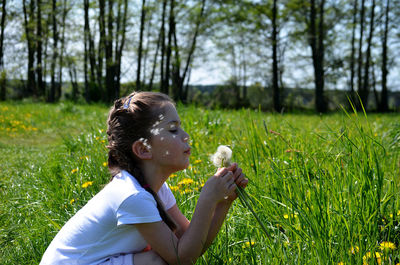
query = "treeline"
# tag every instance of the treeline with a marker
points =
(95, 46)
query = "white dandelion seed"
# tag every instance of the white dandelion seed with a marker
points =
(222, 157)
(145, 143)
(167, 152)
(156, 123)
(156, 131)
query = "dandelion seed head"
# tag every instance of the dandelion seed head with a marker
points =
(222, 156)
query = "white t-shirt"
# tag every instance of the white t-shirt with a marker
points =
(102, 228)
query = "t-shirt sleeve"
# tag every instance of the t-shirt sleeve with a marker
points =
(166, 196)
(138, 208)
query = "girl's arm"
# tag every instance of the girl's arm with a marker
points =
(220, 212)
(189, 247)
(222, 208)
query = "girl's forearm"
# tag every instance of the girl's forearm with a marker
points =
(220, 213)
(193, 241)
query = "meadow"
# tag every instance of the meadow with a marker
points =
(325, 186)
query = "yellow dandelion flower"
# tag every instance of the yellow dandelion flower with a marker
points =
(173, 175)
(74, 171)
(198, 161)
(340, 263)
(248, 244)
(87, 184)
(386, 245)
(103, 141)
(354, 250)
(105, 164)
(398, 212)
(174, 188)
(286, 216)
(376, 256)
(187, 190)
(97, 137)
(185, 181)
(72, 201)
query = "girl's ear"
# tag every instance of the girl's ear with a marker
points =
(141, 150)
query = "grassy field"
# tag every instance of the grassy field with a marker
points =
(326, 187)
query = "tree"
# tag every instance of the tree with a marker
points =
(360, 46)
(2, 71)
(383, 105)
(178, 76)
(31, 45)
(53, 87)
(353, 51)
(275, 85)
(139, 61)
(316, 42)
(39, 42)
(364, 91)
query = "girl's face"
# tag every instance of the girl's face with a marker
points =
(169, 142)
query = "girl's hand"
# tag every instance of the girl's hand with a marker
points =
(239, 177)
(220, 186)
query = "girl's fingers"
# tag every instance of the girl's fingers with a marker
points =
(243, 183)
(228, 175)
(237, 172)
(221, 172)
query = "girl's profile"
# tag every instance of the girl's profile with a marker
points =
(135, 218)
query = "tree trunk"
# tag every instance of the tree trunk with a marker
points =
(110, 65)
(275, 85)
(73, 78)
(317, 49)
(61, 57)
(162, 86)
(142, 21)
(29, 32)
(101, 48)
(364, 93)
(39, 39)
(55, 53)
(2, 71)
(360, 54)
(171, 31)
(86, 49)
(353, 52)
(178, 78)
(384, 106)
(118, 53)
(155, 62)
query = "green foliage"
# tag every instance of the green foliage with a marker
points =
(326, 187)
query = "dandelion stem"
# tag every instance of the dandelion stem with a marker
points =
(242, 196)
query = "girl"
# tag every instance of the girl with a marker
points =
(137, 209)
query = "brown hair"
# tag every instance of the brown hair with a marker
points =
(129, 120)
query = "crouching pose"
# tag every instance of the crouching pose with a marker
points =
(135, 219)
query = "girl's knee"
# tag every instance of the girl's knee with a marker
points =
(149, 257)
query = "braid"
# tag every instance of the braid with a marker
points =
(129, 120)
(164, 215)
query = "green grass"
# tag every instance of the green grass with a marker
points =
(322, 185)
